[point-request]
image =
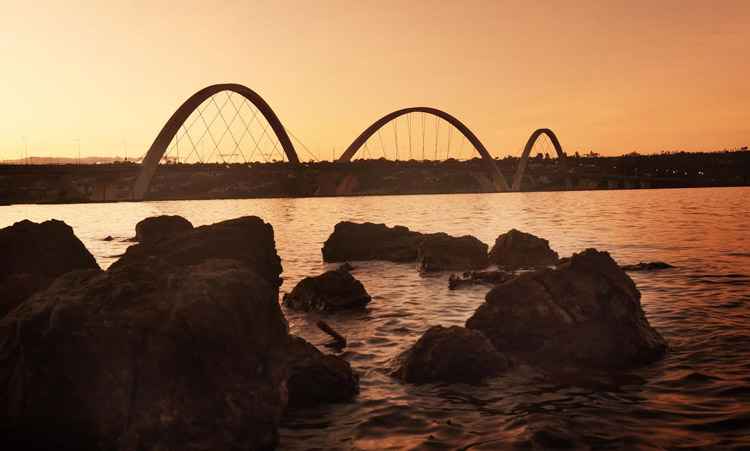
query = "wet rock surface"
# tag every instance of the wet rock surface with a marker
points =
(33, 254)
(331, 291)
(517, 250)
(158, 228)
(646, 266)
(469, 278)
(450, 354)
(586, 312)
(315, 377)
(368, 241)
(441, 252)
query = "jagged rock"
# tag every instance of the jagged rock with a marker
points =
(316, 378)
(108, 238)
(158, 228)
(368, 241)
(516, 250)
(32, 255)
(247, 239)
(450, 354)
(586, 312)
(479, 277)
(156, 356)
(330, 291)
(646, 266)
(440, 252)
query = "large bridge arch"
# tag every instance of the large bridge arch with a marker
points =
(494, 172)
(516, 186)
(168, 132)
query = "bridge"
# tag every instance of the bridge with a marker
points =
(178, 138)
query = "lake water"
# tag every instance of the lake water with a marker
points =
(697, 397)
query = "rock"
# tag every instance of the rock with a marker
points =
(646, 266)
(339, 341)
(157, 356)
(479, 277)
(330, 291)
(586, 313)
(440, 252)
(158, 228)
(316, 378)
(450, 354)
(32, 255)
(368, 241)
(247, 239)
(346, 266)
(516, 250)
(108, 238)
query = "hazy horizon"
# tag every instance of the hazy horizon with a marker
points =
(614, 78)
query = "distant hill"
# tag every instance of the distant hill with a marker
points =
(65, 160)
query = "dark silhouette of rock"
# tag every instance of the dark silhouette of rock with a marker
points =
(346, 266)
(479, 277)
(646, 266)
(450, 354)
(158, 228)
(586, 312)
(516, 250)
(441, 252)
(32, 255)
(316, 378)
(368, 241)
(247, 239)
(339, 341)
(108, 238)
(330, 291)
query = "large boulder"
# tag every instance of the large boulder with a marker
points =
(330, 291)
(247, 239)
(441, 252)
(584, 313)
(158, 228)
(316, 378)
(368, 241)
(32, 255)
(450, 354)
(516, 250)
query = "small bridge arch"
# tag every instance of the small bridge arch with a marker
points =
(516, 186)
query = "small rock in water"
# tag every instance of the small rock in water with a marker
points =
(479, 277)
(646, 266)
(108, 238)
(441, 252)
(517, 250)
(330, 291)
(368, 241)
(450, 354)
(339, 341)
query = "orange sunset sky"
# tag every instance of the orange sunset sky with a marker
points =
(607, 76)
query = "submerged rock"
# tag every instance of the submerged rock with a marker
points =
(479, 277)
(440, 252)
(32, 255)
(586, 312)
(316, 378)
(330, 291)
(450, 354)
(516, 250)
(158, 228)
(646, 266)
(368, 241)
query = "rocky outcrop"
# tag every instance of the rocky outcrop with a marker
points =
(331, 291)
(517, 250)
(646, 266)
(32, 255)
(450, 354)
(479, 277)
(247, 239)
(441, 252)
(179, 345)
(316, 378)
(158, 228)
(368, 241)
(586, 312)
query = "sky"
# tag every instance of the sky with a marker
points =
(607, 76)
